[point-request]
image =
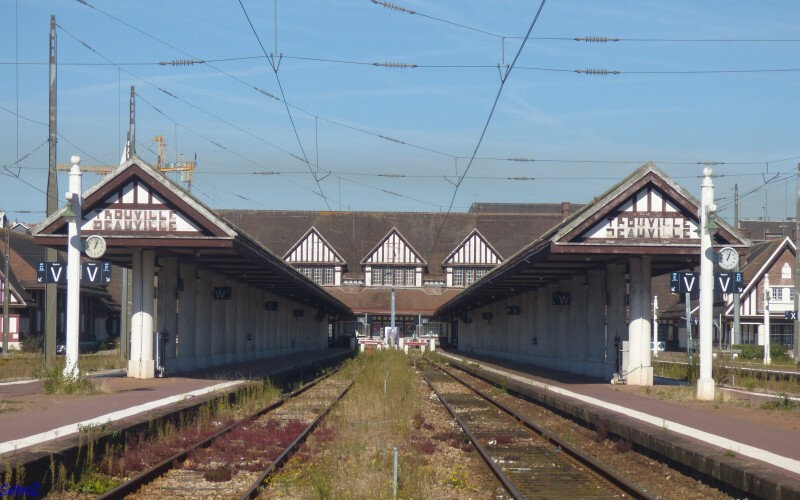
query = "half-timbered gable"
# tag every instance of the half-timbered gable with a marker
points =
(775, 259)
(393, 262)
(470, 260)
(313, 256)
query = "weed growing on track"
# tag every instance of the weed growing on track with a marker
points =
(355, 460)
(784, 403)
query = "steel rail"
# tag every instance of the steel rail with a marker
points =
(130, 486)
(255, 488)
(501, 476)
(621, 482)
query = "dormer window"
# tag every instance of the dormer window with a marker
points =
(786, 271)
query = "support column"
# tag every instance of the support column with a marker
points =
(640, 371)
(218, 307)
(168, 314)
(142, 364)
(262, 345)
(187, 300)
(242, 302)
(578, 336)
(252, 315)
(595, 324)
(230, 322)
(202, 340)
(616, 330)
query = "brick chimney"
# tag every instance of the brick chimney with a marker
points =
(565, 209)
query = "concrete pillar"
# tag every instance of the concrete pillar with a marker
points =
(616, 329)
(595, 324)
(563, 325)
(218, 307)
(578, 336)
(203, 319)
(168, 305)
(242, 303)
(230, 322)
(261, 333)
(254, 309)
(141, 364)
(187, 316)
(640, 371)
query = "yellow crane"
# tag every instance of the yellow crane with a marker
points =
(185, 167)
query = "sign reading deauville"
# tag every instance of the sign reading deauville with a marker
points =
(136, 220)
(645, 226)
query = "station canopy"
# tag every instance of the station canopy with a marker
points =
(137, 207)
(646, 213)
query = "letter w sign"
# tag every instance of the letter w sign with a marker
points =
(222, 293)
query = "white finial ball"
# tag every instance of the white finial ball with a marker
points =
(75, 159)
(707, 171)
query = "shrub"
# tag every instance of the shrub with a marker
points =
(777, 352)
(623, 446)
(32, 343)
(218, 474)
(601, 432)
(54, 382)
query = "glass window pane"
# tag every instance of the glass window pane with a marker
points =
(377, 276)
(411, 277)
(458, 277)
(329, 276)
(398, 276)
(318, 275)
(388, 277)
(777, 294)
(469, 277)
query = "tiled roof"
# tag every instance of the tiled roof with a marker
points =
(353, 234)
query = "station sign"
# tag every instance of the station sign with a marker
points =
(729, 282)
(649, 226)
(561, 298)
(684, 282)
(97, 273)
(512, 310)
(790, 315)
(689, 282)
(222, 293)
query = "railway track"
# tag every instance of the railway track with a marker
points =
(528, 461)
(237, 460)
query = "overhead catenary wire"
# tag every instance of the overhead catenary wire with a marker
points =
(503, 81)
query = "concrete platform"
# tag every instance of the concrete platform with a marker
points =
(763, 443)
(30, 419)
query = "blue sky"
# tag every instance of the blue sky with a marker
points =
(676, 120)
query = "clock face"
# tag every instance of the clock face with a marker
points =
(728, 258)
(95, 246)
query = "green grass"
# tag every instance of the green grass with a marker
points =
(24, 366)
(54, 382)
(784, 403)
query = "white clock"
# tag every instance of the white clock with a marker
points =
(95, 246)
(728, 258)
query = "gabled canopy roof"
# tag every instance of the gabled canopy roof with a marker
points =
(646, 213)
(138, 207)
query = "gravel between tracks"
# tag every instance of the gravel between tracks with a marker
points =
(188, 481)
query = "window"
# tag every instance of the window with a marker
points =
(398, 277)
(458, 277)
(411, 276)
(388, 277)
(786, 271)
(791, 294)
(480, 273)
(777, 294)
(318, 275)
(329, 276)
(377, 276)
(469, 276)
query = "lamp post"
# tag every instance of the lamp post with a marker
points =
(73, 215)
(705, 384)
(767, 340)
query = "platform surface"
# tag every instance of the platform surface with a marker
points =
(775, 432)
(29, 417)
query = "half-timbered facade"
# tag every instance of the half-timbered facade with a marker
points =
(470, 261)
(316, 259)
(393, 262)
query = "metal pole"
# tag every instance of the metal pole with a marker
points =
(394, 481)
(124, 317)
(767, 297)
(73, 269)
(393, 334)
(6, 291)
(689, 325)
(705, 384)
(51, 289)
(655, 326)
(797, 272)
(736, 335)
(132, 124)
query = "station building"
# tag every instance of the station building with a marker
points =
(578, 298)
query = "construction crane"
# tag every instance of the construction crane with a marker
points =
(186, 168)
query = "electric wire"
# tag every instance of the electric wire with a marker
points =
(294, 127)
(503, 81)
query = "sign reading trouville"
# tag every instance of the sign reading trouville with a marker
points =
(650, 226)
(136, 220)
